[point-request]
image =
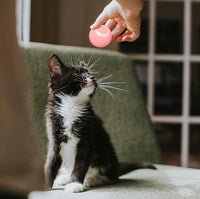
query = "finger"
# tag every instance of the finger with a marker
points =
(128, 36)
(110, 23)
(133, 36)
(117, 31)
(125, 38)
(101, 19)
(120, 37)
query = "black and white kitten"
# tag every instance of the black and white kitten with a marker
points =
(80, 153)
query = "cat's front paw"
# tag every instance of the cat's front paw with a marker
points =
(60, 180)
(74, 187)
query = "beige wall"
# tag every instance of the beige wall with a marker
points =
(65, 22)
(74, 19)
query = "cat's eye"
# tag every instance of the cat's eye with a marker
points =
(77, 74)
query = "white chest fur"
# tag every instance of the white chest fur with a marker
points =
(70, 108)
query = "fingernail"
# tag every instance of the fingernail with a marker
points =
(124, 38)
(92, 26)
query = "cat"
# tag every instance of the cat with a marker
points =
(80, 153)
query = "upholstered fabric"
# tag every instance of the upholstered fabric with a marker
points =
(125, 119)
(167, 182)
(125, 116)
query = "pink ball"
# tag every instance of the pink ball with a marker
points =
(100, 37)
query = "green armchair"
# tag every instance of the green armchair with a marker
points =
(125, 118)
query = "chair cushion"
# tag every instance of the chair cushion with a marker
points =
(125, 116)
(165, 183)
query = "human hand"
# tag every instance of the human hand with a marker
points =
(124, 21)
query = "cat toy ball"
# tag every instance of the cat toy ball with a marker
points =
(100, 37)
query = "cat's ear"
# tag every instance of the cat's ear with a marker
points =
(56, 65)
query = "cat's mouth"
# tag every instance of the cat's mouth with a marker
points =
(89, 87)
(89, 84)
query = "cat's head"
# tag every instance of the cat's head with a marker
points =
(70, 80)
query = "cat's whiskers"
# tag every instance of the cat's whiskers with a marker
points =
(80, 62)
(112, 87)
(71, 62)
(102, 83)
(90, 59)
(83, 58)
(103, 79)
(108, 91)
(106, 86)
(93, 64)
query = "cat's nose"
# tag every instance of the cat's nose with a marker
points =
(88, 79)
(89, 82)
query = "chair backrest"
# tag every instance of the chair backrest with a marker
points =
(125, 117)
